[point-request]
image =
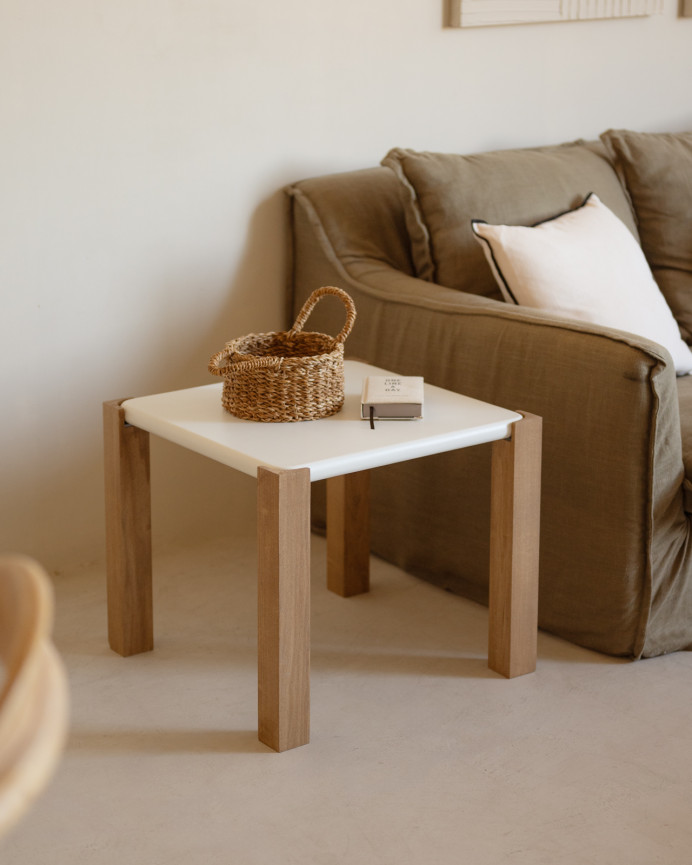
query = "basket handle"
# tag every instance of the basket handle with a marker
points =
(309, 305)
(215, 367)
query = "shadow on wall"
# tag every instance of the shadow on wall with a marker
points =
(192, 496)
(254, 301)
(54, 507)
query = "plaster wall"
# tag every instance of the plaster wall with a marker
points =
(144, 145)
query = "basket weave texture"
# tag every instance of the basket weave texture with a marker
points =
(289, 375)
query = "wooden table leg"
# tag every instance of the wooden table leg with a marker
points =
(283, 533)
(514, 545)
(348, 534)
(128, 533)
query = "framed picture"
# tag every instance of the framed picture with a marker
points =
(486, 13)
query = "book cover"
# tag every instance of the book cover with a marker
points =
(392, 397)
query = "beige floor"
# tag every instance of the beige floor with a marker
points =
(419, 754)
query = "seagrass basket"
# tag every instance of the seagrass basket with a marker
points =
(289, 375)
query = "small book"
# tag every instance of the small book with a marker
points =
(392, 397)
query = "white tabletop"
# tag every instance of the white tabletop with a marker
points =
(336, 445)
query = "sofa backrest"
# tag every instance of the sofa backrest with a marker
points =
(441, 193)
(656, 170)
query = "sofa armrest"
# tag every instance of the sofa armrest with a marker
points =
(608, 398)
(504, 348)
(498, 352)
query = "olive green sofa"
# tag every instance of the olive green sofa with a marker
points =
(616, 558)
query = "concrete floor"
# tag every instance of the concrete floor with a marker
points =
(419, 754)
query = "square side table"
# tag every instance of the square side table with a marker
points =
(285, 458)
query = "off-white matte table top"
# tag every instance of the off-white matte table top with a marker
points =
(286, 458)
(333, 446)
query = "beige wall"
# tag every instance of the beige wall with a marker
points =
(143, 146)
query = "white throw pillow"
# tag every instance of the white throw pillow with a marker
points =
(583, 264)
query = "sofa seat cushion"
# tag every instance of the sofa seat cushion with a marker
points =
(442, 193)
(656, 171)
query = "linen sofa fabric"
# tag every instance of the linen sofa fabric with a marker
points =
(583, 264)
(616, 557)
(441, 193)
(685, 402)
(656, 171)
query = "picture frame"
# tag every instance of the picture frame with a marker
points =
(488, 13)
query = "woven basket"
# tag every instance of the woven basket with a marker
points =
(286, 376)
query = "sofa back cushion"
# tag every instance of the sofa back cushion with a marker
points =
(441, 194)
(358, 214)
(656, 171)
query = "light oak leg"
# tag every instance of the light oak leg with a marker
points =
(128, 533)
(514, 545)
(283, 531)
(348, 534)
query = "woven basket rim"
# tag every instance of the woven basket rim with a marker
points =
(254, 346)
(281, 336)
